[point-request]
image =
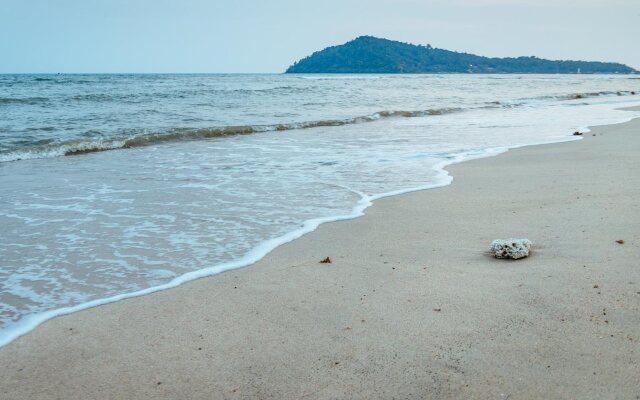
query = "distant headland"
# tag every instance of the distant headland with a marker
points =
(368, 54)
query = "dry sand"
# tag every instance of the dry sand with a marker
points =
(411, 307)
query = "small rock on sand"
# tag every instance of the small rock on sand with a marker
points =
(511, 248)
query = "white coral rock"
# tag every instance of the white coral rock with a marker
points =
(511, 248)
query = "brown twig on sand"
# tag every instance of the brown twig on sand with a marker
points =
(620, 241)
(326, 261)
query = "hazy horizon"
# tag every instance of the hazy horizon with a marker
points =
(145, 36)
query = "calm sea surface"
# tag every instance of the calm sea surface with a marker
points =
(118, 185)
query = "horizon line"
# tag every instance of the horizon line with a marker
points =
(637, 72)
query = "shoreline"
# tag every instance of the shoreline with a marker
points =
(263, 249)
(32, 348)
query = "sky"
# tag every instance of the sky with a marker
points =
(246, 36)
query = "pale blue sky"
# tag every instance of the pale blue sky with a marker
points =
(267, 36)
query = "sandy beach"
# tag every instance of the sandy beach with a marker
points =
(412, 305)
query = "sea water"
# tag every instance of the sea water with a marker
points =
(113, 186)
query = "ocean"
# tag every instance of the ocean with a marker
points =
(114, 186)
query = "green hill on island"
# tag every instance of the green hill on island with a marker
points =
(368, 54)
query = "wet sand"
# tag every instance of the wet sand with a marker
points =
(412, 306)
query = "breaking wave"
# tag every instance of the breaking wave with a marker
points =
(91, 145)
(586, 95)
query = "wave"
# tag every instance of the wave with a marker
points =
(98, 97)
(561, 97)
(584, 95)
(179, 94)
(91, 145)
(275, 89)
(62, 79)
(23, 100)
(597, 94)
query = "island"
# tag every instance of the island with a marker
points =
(368, 54)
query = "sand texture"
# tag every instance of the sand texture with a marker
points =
(412, 305)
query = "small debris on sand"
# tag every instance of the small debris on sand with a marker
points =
(620, 241)
(326, 261)
(511, 248)
(595, 286)
(576, 133)
(437, 309)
